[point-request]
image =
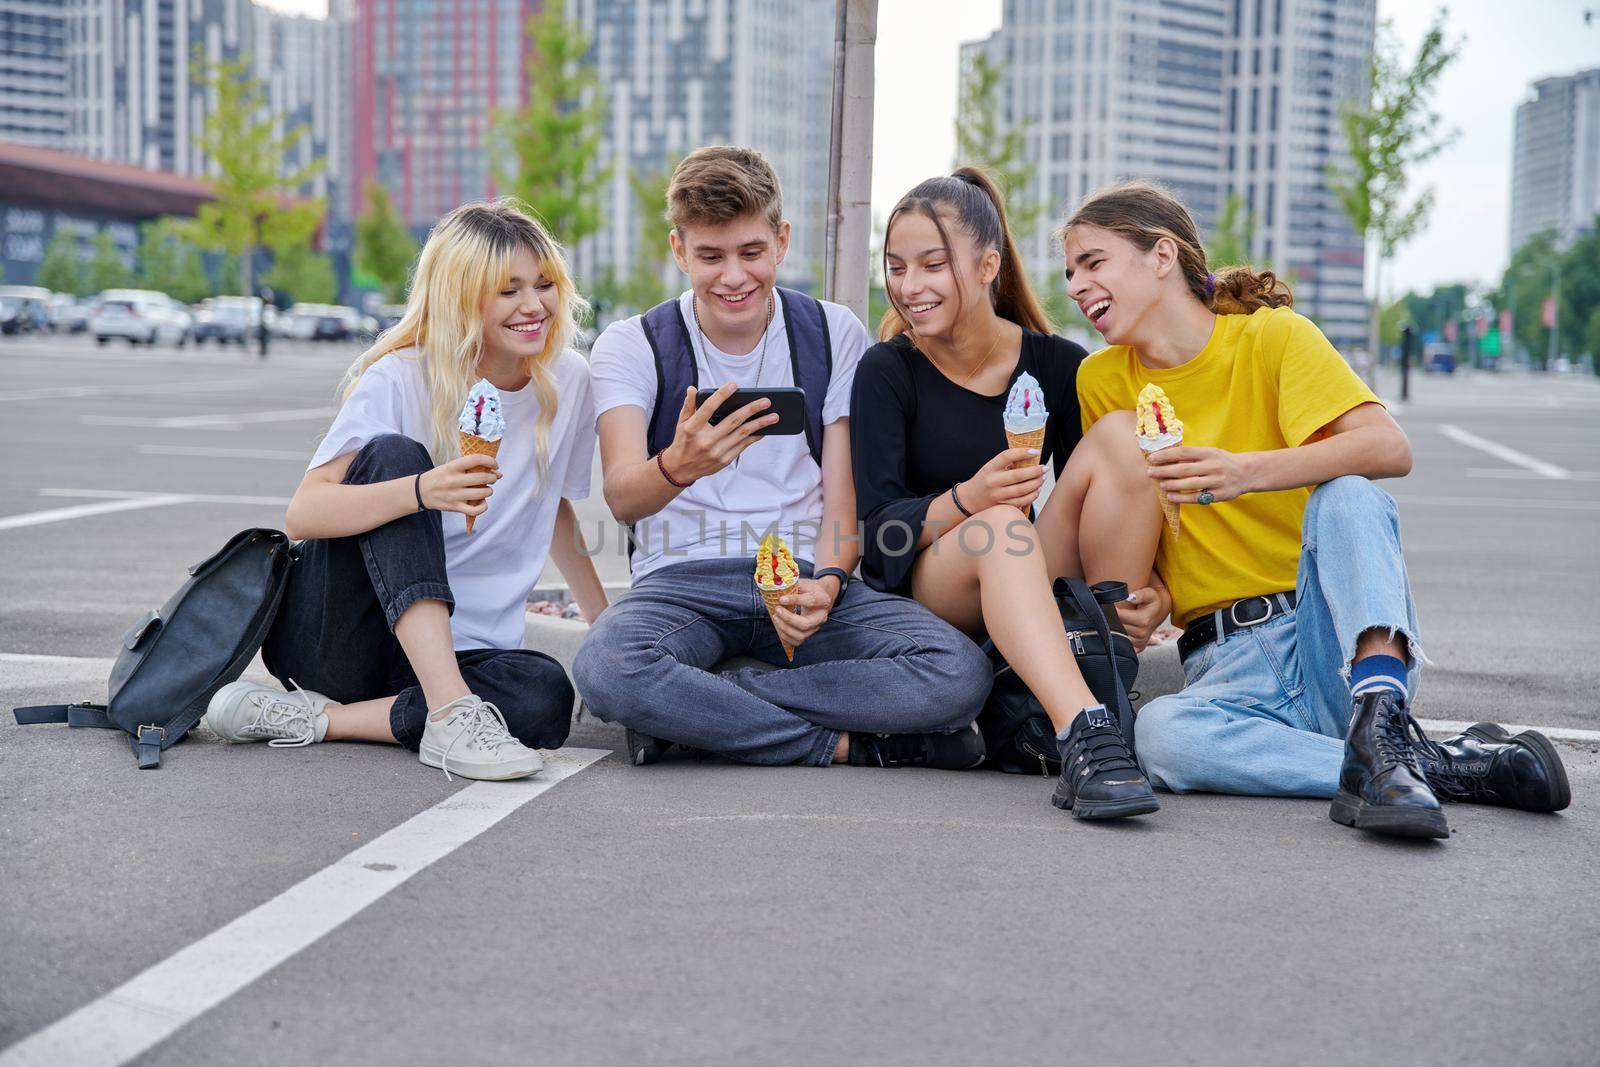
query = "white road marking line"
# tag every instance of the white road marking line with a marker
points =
(188, 498)
(65, 661)
(81, 392)
(1445, 727)
(1517, 474)
(1498, 502)
(218, 421)
(153, 1005)
(84, 511)
(1500, 451)
(222, 453)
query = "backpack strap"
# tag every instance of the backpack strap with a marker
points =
(673, 350)
(1089, 606)
(85, 715)
(146, 746)
(805, 321)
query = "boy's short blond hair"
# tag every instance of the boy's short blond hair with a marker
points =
(721, 183)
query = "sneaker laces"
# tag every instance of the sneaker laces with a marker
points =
(895, 750)
(290, 720)
(484, 726)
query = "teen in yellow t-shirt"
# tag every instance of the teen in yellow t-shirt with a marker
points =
(1300, 642)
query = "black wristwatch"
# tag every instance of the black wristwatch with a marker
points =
(837, 572)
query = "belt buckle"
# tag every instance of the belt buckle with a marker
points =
(1233, 611)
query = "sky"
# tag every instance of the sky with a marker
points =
(1505, 49)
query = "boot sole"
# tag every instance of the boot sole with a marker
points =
(1349, 810)
(1111, 809)
(1560, 789)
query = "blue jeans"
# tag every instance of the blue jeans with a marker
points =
(1266, 711)
(334, 632)
(880, 664)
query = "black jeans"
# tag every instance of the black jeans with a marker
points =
(334, 633)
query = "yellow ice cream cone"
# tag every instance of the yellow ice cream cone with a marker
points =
(473, 445)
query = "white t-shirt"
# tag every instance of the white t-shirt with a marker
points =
(774, 484)
(492, 569)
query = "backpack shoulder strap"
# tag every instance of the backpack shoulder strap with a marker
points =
(87, 715)
(673, 350)
(805, 321)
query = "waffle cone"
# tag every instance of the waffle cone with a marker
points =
(1169, 509)
(769, 597)
(1031, 439)
(473, 445)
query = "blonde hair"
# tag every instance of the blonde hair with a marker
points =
(466, 259)
(972, 199)
(1143, 213)
(721, 183)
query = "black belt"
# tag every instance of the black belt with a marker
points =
(1225, 622)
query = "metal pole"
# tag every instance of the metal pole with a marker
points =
(849, 227)
(1407, 334)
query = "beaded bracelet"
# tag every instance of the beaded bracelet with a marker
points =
(663, 465)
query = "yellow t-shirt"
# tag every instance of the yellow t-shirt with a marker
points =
(1267, 380)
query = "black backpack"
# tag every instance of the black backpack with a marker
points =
(1016, 730)
(176, 657)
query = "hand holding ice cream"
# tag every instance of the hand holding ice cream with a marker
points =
(481, 425)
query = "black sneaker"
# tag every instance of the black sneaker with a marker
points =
(1381, 787)
(1100, 779)
(1488, 765)
(644, 750)
(960, 751)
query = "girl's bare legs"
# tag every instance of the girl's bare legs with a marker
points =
(423, 631)
(1102, 520)
(989, 575)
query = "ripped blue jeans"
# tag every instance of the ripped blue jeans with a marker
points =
(1265, 712)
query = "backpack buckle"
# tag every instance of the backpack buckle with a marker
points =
(148, 749)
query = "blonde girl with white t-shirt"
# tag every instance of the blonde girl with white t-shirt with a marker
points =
(398, 624)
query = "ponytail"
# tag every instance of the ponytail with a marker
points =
(971, 196)
(1143, 213)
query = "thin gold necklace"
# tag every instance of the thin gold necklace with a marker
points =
(982, 362)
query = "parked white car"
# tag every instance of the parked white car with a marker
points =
(140, 316)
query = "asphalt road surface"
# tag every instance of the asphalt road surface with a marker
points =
(342, 903)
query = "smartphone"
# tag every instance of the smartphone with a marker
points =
(788, 403)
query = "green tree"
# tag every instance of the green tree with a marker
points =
(1235, 234)
(1389, 133)
(254, 197)
(107, 268)
(170, 263)
(1394, 316)
(983, 137)
(644, 284)
(303, 274)
(61, 270)
(1580, 290)
(1591, 340)
(547, 151)
(384, 248)
(1529, 279)
(1430, 313)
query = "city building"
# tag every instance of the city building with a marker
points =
(428, 78)
(1555, 162)
(1213, 98)
(33, 73)
(679, 74)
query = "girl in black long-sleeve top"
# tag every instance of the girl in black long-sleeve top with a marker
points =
(947, 505)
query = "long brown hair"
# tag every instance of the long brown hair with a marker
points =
(974, 200)
(1143, 213)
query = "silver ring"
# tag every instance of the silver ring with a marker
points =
(1206, 497)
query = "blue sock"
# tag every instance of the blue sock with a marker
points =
(1377, 672)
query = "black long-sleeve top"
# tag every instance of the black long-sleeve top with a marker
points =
(915, 433)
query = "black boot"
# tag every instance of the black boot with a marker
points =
(1381, 788)
(959, 751)
(1487, 765)
(1100, 779)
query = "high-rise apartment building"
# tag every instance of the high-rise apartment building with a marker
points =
(1555, 163)
(429, 75)
(1214, 98)
(679, 74)
(33, 73)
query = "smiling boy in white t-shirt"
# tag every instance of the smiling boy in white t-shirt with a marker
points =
(876, 679)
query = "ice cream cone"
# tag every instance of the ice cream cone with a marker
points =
(1031, 439)
(473, 445)
(769, 596)
(1169, 508)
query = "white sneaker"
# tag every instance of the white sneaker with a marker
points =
(470, 738)
(248, 711)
